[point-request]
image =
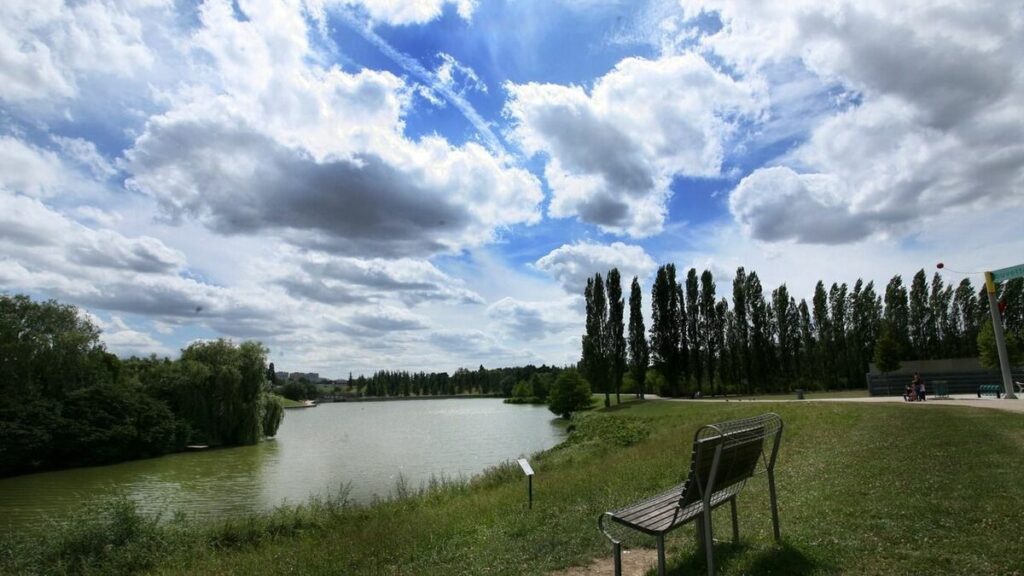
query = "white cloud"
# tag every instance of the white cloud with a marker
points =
(406, 12)
(317, 154)
(936, 124)
(528, 321)
(46, 46)
(28, 169)
(572, 264)
(614, 151)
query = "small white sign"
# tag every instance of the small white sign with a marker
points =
(525, 466)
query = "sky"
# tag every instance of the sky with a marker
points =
(427, 184)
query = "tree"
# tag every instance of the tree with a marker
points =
(887, 350)
(707, 326)
(639, 355)
(965, 316)
(692, 328)
(571, 393)
(760, 331)
(665, 327)
(920, 316)
(594, 363)
(615, 341)
(823, 334)
(739, 307)
(988, 353)
(897, 313)
(273, 414)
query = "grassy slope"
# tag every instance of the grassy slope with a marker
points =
(864, 489)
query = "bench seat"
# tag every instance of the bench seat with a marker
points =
(724, 456)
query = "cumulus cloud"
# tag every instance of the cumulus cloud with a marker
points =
(530, 320)
(937, 124)
(339, 280)
(318, 154)
(399, 12)
(613, 152)
(573, 264)
(47, 45)
(28, 169)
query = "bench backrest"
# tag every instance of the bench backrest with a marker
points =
(726, 454)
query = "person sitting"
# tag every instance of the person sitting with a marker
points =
(908, 393)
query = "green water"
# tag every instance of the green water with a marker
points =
(366, 446)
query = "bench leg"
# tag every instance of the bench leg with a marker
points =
(709, 542)
(775, 505)
(735, 521)
(661, 555)
(617, 551)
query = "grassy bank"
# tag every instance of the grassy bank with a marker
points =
(863, 489)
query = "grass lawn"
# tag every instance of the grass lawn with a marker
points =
(288, 403)
(863, 489)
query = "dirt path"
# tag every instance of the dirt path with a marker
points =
(635, 562)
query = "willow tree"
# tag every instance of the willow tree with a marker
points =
(219, 391)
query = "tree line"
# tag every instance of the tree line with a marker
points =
(699, 341)
(484, 381)
(65, 401)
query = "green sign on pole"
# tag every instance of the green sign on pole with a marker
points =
(1008, 273)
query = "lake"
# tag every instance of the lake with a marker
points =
(367, 445)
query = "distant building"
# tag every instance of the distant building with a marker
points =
(281, 376)
(312, 377)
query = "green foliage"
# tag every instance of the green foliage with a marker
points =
(571, 393)
(299, 390)
(604, 429)
(67, 402)
(639, 353)
(273, 414)
(887, 350)
(988, 354)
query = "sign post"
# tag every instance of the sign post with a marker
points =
(991, 278)
(529, 477)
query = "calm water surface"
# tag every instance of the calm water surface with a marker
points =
(367, 445)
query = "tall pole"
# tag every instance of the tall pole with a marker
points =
(997, 328)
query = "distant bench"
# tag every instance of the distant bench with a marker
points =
(724, 456)
(990, 390)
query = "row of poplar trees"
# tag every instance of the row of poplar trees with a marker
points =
(770, 342)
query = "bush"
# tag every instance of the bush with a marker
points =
(571, 393)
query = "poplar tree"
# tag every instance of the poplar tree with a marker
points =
(784, 331)
(965, 305)
(639, 355)
(823, 334)
(897, 314)
(919, 316)
(665, 328)
(810, 365)
(593, 364)
(693, 324)
(837, 309)
(707, 327)
(739, 308)
(760, 337)
(615, 341)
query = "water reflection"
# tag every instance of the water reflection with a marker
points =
(365, 445)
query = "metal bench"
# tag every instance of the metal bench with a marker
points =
(724, 456)
(990, 390)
